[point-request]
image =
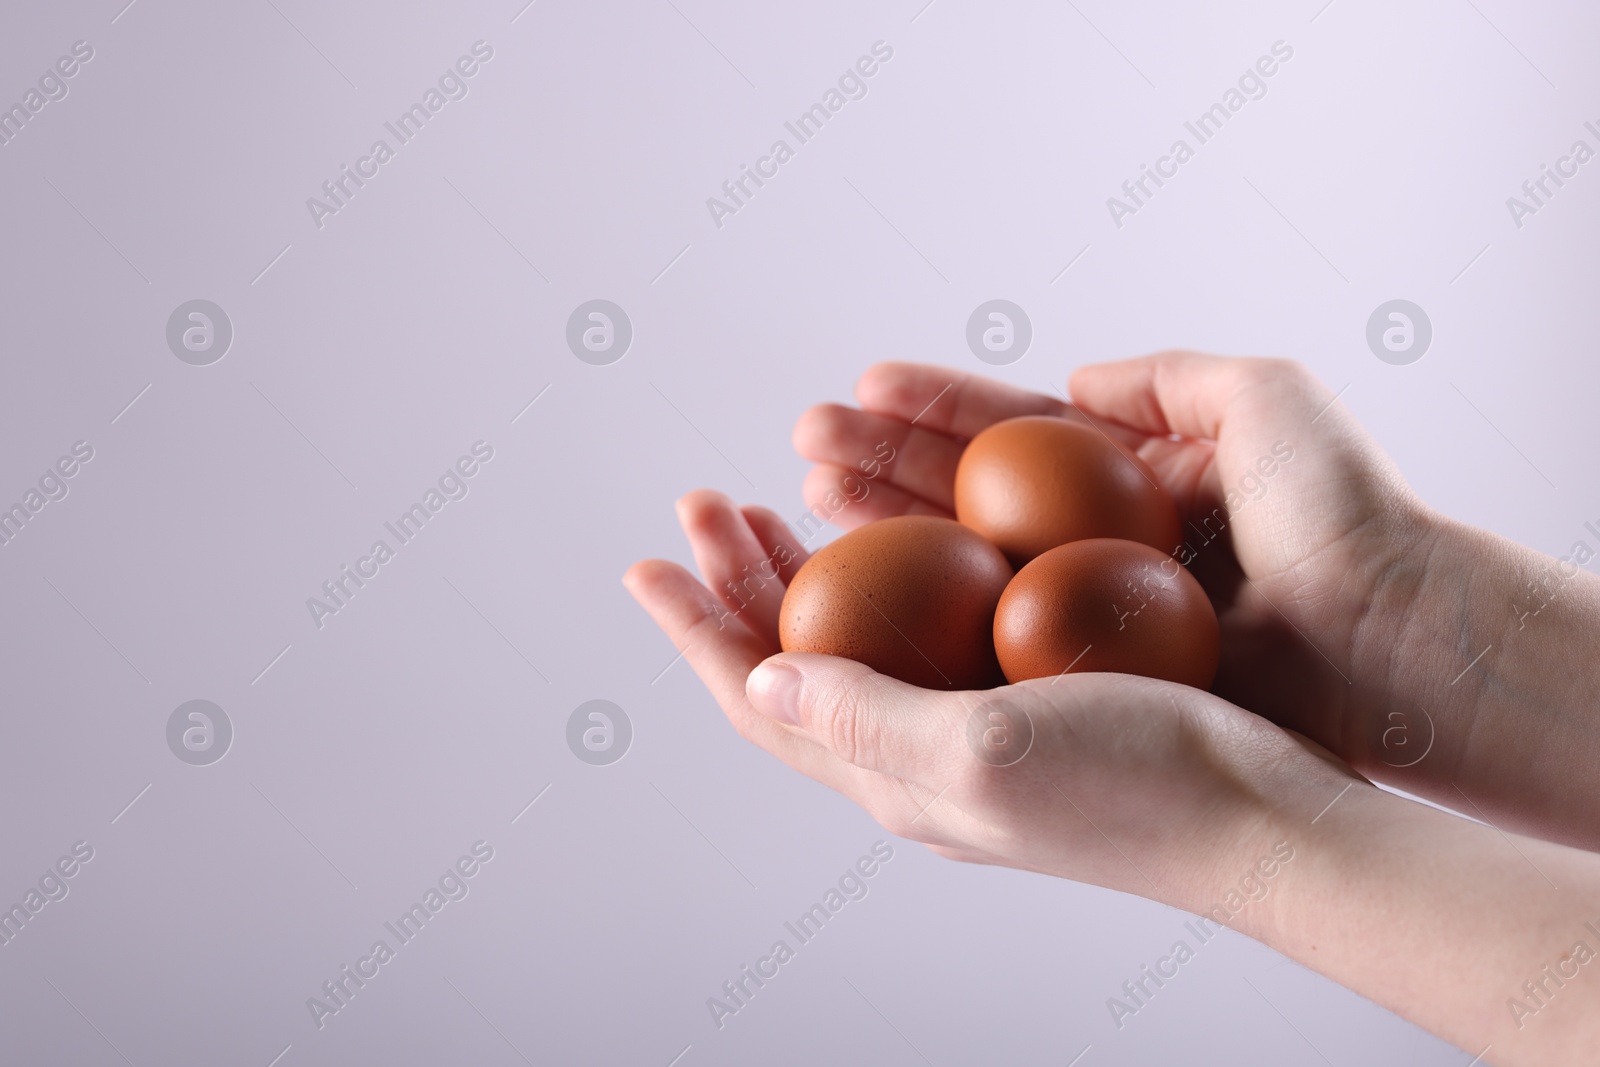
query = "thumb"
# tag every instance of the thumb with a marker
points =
(867, 719)
(1261, 413)
(1193, 394)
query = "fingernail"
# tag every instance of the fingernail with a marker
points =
(774, 689)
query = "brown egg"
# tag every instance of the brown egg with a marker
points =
(1107, 605)
(912, 597)
(1032, 483)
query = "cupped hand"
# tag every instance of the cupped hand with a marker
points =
(1129, 783)
(1150, 788)
(1294, 520)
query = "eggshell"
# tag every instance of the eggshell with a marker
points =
(1107, 605)
(1029, 484)
(912, 597)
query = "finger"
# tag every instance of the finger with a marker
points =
(783, 548)
(733, 562)
(1192, 394)
(879, 447)
(866, 719)
(963, 405)
(723, 656)
(721, 652)
(833, 494)
(947, 401)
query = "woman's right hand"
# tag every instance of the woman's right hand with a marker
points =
(1351, 612)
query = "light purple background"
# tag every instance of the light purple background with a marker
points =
(374, 752)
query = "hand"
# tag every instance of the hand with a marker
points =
(1129, 783)
(1300, 549)
(1347, 606)
(1156, 789)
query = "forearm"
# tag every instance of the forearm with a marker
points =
(1442, 920)
(1492, 653)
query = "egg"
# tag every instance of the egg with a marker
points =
(1105, 604)
(1031, 483)
(912, 597)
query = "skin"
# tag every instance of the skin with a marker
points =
(1351, 614)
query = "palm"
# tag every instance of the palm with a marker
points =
(901, 753)
(927, 414)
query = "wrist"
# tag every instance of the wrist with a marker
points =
(1374, 900)
(1483, 681)
(1277, 786)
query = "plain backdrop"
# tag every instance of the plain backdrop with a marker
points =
(371, 351)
